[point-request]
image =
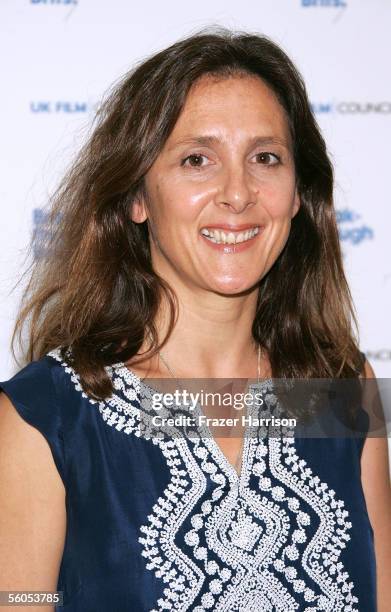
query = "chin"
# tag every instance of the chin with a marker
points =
(234, 287)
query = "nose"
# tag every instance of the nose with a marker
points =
(236, 191)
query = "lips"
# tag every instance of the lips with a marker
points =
(232, 240)
(219, 236)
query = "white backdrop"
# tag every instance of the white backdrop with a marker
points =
(60, 56)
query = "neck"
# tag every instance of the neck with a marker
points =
(212, 338)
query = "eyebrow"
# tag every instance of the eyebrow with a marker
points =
(208, 140)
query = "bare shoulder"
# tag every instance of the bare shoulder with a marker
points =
(375, 478)
(368, 371)
(32, 506)
(375, 469)
(375, 454)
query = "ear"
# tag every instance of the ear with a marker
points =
(296, 204)
(138, 210)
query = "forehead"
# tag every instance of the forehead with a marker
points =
(240, 103)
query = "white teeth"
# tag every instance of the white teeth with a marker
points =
(220, 237)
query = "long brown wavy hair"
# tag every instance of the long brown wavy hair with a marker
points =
(95, 290)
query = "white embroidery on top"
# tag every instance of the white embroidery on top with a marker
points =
(269, 540)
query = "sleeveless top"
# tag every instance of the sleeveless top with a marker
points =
(159, 524)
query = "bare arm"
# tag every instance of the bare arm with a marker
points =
(375, 477)
(32, 508)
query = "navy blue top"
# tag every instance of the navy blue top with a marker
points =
(159, 524)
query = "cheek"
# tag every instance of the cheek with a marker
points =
(182, 202)
(171, 209)
(194, 189)
(278, 199)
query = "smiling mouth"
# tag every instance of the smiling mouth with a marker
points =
(232, 237)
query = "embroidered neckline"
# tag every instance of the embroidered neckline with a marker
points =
(237, 480)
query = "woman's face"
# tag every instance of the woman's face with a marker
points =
(222, 192)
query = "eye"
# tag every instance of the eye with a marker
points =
(264, 156)
(195, 160)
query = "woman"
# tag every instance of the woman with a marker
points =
(198, 217)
